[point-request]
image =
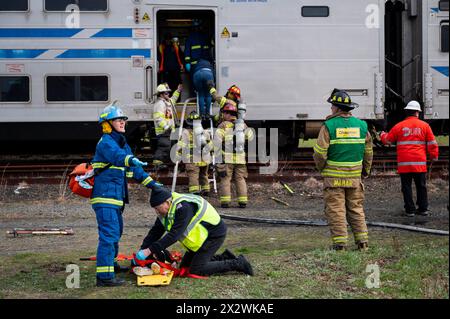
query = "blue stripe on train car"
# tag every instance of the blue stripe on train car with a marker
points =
(38, 33)
(62, 33)
(114, 33)
(20, 54)
(441, 69)
(103, 53)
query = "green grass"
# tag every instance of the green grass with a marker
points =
(288, 263)
(442, 140)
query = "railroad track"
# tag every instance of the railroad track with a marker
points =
(54, 169)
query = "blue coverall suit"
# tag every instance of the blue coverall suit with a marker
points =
(110, 194)
(196, 48)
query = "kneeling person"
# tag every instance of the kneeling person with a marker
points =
(195, 223)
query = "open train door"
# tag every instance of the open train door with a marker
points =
(178, 23)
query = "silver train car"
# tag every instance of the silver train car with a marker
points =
(63, 61)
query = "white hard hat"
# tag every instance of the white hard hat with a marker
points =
(414, 106)
(164, 87)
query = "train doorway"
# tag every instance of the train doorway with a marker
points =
(173, 28)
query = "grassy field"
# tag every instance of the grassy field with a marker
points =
(289, 262)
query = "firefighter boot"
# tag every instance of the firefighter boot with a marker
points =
(113, 282)
(364, 246)
(338, 247)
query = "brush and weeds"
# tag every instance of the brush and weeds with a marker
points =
(289, 262)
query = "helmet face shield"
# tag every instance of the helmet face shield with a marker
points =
(112, 112)
(230, 108)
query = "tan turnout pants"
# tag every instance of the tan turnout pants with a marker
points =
(236, 173)
(342, 205)
(198, 178)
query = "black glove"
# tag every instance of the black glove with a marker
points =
(159, 255)
(168, 256)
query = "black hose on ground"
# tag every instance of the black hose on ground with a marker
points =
(296, 222)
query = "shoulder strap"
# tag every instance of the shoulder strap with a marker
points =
(98, 171)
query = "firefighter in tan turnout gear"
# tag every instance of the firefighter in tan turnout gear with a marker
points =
(194, 150)
(163, 118)
(343, 154)
(229, 144)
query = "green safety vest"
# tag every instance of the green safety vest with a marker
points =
(347, 145)
(195, 234)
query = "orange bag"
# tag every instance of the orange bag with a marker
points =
(81, 180)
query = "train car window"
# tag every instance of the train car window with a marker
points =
(315, 11)
(64, 88)
(443, 5)
(444, 36)
(16, 5)
(84, 5)
(14, 89)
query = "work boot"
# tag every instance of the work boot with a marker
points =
(204, 193)
(225, 205)
(409, 214)
(424, 213)
(242, 205)
(363, 246)
(227, 254)
(119, 268)
(113, 282)
(337, 247)
(242, 265)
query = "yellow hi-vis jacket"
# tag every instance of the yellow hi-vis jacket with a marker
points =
(162, 114)
(224, 139)
(186, 147)
(195, 234)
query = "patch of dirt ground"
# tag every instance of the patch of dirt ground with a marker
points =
(50, 206)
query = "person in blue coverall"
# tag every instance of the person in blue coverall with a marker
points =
(197, 57)
(196, 46)
(110, 192)
(202, 75)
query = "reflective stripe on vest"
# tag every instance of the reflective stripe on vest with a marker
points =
(347, 147)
